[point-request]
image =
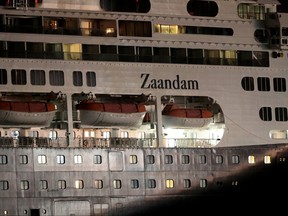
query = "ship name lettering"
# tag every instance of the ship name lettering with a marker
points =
(176, 83)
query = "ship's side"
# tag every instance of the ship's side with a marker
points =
(142, 107)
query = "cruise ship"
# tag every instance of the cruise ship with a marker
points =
(143, 107)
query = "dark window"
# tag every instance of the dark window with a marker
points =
(18, 77)
(279, 84)
(248, 83)
(140, 6)
(3, 77)
(77, 78)
(265, 113)
(56, 78)
(263, 83)
(202, 8)
(281, 114)
(135, 28)
(37, 77)
(91, 78)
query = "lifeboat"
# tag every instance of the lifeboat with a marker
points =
(26, 114)
(111, 114)
(174, 117)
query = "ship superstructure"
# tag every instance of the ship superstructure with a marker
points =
(138, 107)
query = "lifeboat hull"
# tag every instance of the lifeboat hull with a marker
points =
(176, 122)
(109, 119)
(26, 119)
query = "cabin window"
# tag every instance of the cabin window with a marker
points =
(78, 159)
(43, 184)
(203, 183)
(3, 76)
(35, 50)
(267, 159)
(37, 77)
(281, 114)
(178, 55)
(4, 185)
(251, 159)
(16, 49)
(265, 113)
(18, 77)
(168, 159)
(79, 184)
(42, 159)
(169, 183)
(144, 54)
(202, 8)
(72, 51)
(53, 51)
(185, 159)
(60, 159)
(98, 184)
(150, 159)
(136, 6)
(135, 28)
(117, 184)
(23, 159)
(251, 11)
(90, 52)
(91, 78)
(161, 55)
(53, 135)
(97, 159)
(263, 83)
(247, 83)
(201, 159)
(61, 184)
(108, 53)
(151, 183)
(134, 183)
(126, 53)
(186, 183)
(3, 159)
(219, 159)
(106, 134)
(279, 84)
(24, 185)
(133, 159)
(77, 78)
(235, 159)
(56, 78)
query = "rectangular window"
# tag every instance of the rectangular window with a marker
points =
(98, 183)
(97, 159)
(37, 77)
(3, 77)
(60, 159)
(235, 159)
(56, 78)
(117, 184)
(42, 159)
(203, 183)
(77, 159)
(61, 184)
(91, 78)
(43, 184)
(169, 183)
(77, 78)
(4, 185)
(151, 183)
(201, 159)
(185, 159)
(79, 184)
(18, 77)
(150, 159)
(3, 159)
(23, 159)
(219, 159)
(134, 183)
(24, 185)
(133, 159)
(168, 159)
(186, 183)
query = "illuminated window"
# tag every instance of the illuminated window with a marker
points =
(219, 159)
(203, 183)
(42, 159)
(24, 185)
(117, 184)
(267, 159)
(98, 183)
(251, 159)
(60, 159)
(79, 184)
(61, 184)
(78, 159)
(169, 183)
(133, 159)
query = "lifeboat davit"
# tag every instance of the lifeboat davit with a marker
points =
(26, 114)
(100, 114)
(174, 117)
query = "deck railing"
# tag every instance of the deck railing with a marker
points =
(63, 142)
